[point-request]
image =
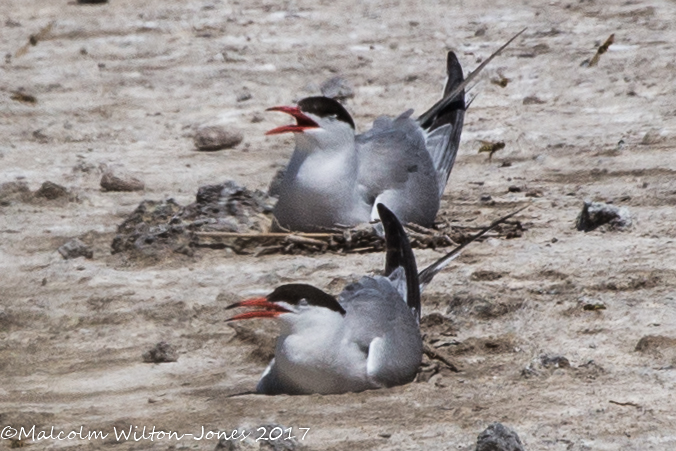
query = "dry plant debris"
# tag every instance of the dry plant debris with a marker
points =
(231, 216)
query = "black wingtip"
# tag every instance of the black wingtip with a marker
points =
(399, 254)
(451, 96)
(454, 72)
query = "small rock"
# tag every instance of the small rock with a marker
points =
(74, 249)
(162, 352)
(652, 137)
(498, 437)
(514, 189)
(244, 95)
(596, 214)
(533, 100)
(556, 361)
(50, 190)
(486, 198)
(226, 445)
(217, 138)
(117, 179)
(337, 88)
(653, 343)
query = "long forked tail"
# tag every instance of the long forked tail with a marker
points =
(427, 274)
(444, 120)
(399, 255)
(444, 128)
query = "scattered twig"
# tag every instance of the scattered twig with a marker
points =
(629, 403)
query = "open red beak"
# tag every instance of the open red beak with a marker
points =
(302, 121)
(269, 309)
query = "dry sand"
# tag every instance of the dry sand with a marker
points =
(122, 83)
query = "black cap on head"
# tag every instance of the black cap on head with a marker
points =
(293, 293)
(325, 107)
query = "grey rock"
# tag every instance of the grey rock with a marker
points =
(162, 352)
(533, 100)
(227, 445)
(117, 179)
(244, 95)
(497, 437)
(336, 88)
(50, 190)
(597, 214)
(216, 138)
(158, 228)
(652, 136)
(74, 249)
(553, 360)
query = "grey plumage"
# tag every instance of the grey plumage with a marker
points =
(403, 163)
(366, 338)
(337, 178)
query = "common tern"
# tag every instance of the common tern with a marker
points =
(366, 338)
(336, 177)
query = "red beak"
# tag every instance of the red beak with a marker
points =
(302, 121)
(269, 309)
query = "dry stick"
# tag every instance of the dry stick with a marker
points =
(305, 240)
(263, 235)
(633, 404)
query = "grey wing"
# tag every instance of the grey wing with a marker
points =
(381, 322)
(395, 169)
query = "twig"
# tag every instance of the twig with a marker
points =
(629, 403)
(263, 235)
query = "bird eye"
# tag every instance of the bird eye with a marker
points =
(303, 303)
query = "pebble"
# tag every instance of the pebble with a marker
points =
(497, 437)
(75, 248)
(336, 88)
(217, 137)
(162, 352)
(596, 214)
(118, 179)
(50, 190)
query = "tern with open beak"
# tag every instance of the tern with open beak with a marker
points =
(336, 178)
(366, 338)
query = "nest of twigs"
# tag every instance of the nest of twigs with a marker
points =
(230, 216)
(349, 240)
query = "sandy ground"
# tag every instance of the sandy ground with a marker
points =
(128, 84)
